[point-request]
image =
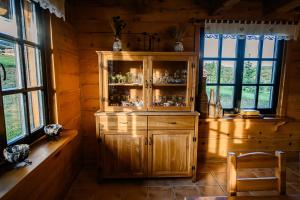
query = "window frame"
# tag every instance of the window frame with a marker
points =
(240, 59)
(41, 22)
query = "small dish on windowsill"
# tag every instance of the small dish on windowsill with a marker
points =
(53, 131)
(17, 153)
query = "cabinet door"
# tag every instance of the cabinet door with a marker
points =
(124, 87)
(171, 84)
(124, 154)
(170, 153)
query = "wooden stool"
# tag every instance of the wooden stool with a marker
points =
(256, 160)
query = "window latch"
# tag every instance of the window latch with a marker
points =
(4, 71)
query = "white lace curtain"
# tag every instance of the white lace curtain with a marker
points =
(286, 31)
(56, 7)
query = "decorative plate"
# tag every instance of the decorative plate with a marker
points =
(16, 153)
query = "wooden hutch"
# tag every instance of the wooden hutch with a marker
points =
(146, 125)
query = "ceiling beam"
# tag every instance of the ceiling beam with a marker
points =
(280, 6)
(218, 6)
(288, 6)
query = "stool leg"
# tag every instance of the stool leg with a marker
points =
(231, 174)
(280, 172)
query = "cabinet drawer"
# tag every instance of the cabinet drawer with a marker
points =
(171, 122)
(123, 123)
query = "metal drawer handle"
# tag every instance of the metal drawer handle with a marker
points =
(172, 122)
(123, 122)
(150, 141)
(146, 141)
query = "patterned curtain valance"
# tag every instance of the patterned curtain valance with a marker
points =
(56, 7)
(286, 31)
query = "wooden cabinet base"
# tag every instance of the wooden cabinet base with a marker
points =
(147, 144)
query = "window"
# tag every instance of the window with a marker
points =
(23, 91)
(243, 71)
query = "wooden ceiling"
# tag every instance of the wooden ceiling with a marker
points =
(270, 9)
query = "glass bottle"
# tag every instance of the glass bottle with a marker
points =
(212, 105)
(219, 108)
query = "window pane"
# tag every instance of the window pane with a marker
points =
(248, 97)
(211, 45)
(265, 97)
(250, 72)
(269, 47)
(14, 117)
(252, 46)
(30, 21)
(226, 95)
(7, 18)
(229, 46)
(210, 87)
(32, 60)
(36, 111)
(227, 72)
(9, 58)
(211, 71)
(266, 74)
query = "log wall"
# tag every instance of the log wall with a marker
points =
(65, 74)
(216, 137)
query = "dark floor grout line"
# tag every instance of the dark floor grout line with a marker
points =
(174, 193)
(293, 172)
(216, 179)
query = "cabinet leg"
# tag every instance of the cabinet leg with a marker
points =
(194, 176)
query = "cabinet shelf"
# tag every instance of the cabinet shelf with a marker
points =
(169, 85)
(126, 84)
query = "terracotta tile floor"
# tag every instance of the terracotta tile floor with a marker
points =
(211, 183)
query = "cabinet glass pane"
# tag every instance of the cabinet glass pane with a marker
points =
(248, 97)
(265, 97)
(211, 46)
(33, 66)
(14, 117)
(226, 96)
(30, 21)
(125, 84)
(169, 83)
(211, 71)
(266, 73)
(252, 46)
(36, 111)
(227, 72)
(9, 58)
(229, 46)
(7, 18)
(250, 72)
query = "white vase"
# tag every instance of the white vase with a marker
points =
(117, 45)
(178, 47)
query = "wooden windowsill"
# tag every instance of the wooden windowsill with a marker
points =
(41, 151)
(239, 119)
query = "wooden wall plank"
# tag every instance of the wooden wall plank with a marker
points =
(94, 33)
(66, 73)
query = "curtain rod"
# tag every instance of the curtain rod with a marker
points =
(201, 22)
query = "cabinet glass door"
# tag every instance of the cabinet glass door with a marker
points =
(171, 85)
(125, 85)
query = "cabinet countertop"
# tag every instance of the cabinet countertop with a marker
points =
(151, 113)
